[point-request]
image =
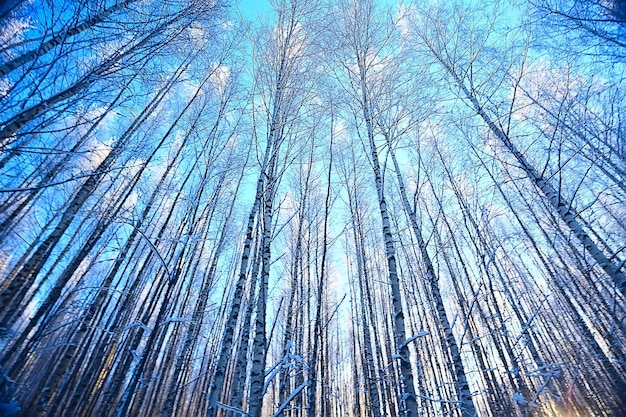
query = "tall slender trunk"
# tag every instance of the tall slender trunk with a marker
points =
(463, 390)
(259, 345)
(399, 331)
(226, 344)
(15, 287)
(317, 331)
(47, 178)
(62, 37)
(13, 125)
(562, 207)
(237, 388)
(194, 329)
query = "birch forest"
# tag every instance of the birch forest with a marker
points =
(312, 208)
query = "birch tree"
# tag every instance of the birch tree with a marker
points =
(436, 43)
(366, 42)
(282, 57)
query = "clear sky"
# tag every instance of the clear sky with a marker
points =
(252, 8)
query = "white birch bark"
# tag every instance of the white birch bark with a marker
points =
(13, 125)
(400, 339)
(257, 372)
(226, 344)
(289, 16)
(463, 390)
(560, 205)
(317, 330)
(15, 287)
(45, 47)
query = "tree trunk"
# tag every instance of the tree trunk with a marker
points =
(15, 63)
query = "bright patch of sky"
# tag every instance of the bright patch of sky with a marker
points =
(253, 9)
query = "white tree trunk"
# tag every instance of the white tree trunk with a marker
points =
(463, 390)
(561, 206)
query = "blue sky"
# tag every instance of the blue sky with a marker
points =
(252, 8)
